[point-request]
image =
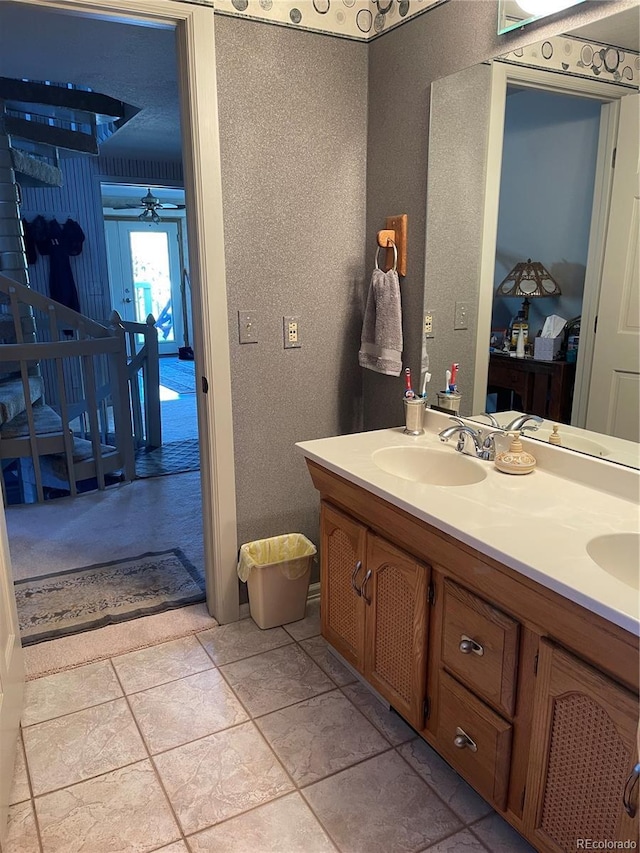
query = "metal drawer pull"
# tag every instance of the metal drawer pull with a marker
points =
(354, 576)
(463, 741)
(467, 645)
(364, 583)
(630, 784)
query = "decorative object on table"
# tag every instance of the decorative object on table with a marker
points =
(554, 438)
(515, 460)
(76, 600)
(520, 343)
(547, 346)
(527, 280)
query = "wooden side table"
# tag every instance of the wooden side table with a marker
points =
(545, 387)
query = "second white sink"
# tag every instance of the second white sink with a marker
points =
(618, 554)
(430, 466)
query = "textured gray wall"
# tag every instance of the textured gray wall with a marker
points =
(402, 65)
(293, 114)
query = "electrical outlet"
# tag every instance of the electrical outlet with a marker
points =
(428, 324)
(291, 332)
(247, 328)
(461, 316)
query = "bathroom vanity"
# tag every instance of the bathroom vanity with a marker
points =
(472, 606)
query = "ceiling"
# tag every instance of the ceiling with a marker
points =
(132, 63)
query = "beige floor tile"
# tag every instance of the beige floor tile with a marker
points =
(276, 679)
(87, 743)
(176, 847)
(499, 837)
(435, 771)
(183, 710)
(220, 776)
(380, 806)
(124, 811)
(65, 692)
(283, 826)
(320, 736)
(20, 785)
(392, 726)
(228, 643)
(159, 664)
(461, 842)
(22, 836)
(319, 650)
(307, 627)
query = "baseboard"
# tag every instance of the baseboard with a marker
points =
(312, 595)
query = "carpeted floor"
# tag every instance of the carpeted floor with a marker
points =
(175, 457)
(77, 600)
(178, 376)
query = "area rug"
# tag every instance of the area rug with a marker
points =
(178, 376)
(77, 600)
(175, 457)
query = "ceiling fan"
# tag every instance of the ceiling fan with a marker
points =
(150, 204)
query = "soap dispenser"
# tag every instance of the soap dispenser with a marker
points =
(554, 438)
(515, 460)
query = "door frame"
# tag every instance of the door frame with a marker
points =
(194, 25)
(609, 94)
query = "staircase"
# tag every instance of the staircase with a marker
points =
(63, 444)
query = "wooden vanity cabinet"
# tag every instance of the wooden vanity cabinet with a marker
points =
(551, 703)
(583, 750)
(375, 610)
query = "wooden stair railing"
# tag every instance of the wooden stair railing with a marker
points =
(142, 359)
(94, 356)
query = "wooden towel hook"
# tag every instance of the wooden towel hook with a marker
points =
(395, 232)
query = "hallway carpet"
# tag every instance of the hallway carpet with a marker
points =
(176, 457)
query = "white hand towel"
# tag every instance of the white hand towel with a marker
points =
(381, 341)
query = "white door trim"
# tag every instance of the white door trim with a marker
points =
(503, 74)
(203, 188)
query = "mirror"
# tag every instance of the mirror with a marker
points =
(516, 13)
(488, 175)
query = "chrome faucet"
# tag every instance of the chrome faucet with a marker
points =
(519, 423)
(483, 441)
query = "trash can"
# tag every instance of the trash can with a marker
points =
(277, 572)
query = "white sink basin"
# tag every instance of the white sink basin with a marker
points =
(573, 442)
(430, 466)
(618, 554)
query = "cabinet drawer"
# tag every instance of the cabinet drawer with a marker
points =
(480, 646)
(474, 739)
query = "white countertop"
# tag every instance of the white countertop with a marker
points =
(537, 524)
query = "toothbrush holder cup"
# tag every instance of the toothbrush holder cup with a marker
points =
(414, 415)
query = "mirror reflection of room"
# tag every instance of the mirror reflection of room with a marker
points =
(549, 157)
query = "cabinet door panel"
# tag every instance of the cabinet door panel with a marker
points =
(397, 624)
(583, 750)
(343, 546)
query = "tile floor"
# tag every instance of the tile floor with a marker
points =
(234, 740)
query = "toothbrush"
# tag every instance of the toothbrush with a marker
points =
(409, 393)
(447, 382)
(452, 381)
(425, 376)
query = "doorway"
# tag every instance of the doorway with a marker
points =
(193, 28)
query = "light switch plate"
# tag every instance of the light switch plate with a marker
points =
(247, 327)
(461, 318)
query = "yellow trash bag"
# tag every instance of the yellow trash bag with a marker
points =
(291, 553)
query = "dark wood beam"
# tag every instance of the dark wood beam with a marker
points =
(44, 134)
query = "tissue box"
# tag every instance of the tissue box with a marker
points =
(546, 349)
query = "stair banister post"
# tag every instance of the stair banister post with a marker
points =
(151, 379)
(119, 379)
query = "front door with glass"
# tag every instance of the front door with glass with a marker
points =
(144, 276)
